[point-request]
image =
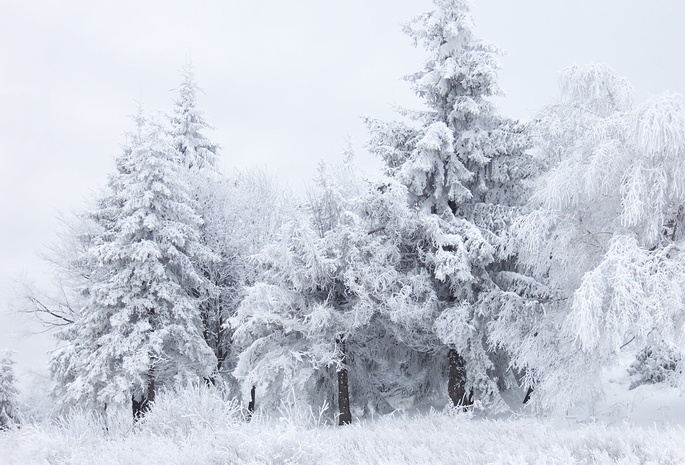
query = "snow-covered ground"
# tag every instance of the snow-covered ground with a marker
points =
(434, 439)
(641, 426)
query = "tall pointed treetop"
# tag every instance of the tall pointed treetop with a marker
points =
(187, 126)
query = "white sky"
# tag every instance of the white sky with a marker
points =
(285, 82)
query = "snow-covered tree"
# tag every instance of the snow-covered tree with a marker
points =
(463, 166)
(316, 317)
(243, 213)
(140, 328)
(290, 325)
(73, 264)
(198, 158)
(188, 123)
(605, 235)
(9, 410)
(240, 213)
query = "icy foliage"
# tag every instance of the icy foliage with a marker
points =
(239, 212)
(9, 408)
(207, 431)
(242, 214)
(228, 219)
(605, 232)
(74, 265)
(195, 150)
(656, 363)
(140, 326)
(462, 152)
(321, 279)
(463, 166)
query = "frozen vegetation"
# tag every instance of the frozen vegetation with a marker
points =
(197, 427)
(506, 292)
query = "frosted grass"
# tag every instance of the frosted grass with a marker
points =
(197, 427)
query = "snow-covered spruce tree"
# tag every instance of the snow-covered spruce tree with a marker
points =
(140, 328)
(463, 165)
(198, 158)
(195, 150)
(605, 235)
(9, 410)
(73, 264)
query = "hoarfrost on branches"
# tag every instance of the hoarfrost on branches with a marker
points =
(9, 408)
(140, 327)
(605, 233)
(463, 166)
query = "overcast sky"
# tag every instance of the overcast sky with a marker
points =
(285, 83)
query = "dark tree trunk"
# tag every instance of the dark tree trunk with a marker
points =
(141, 405)
(251, 405)
(456, 384)
(213, 379)
(529, 392)
(345, 417)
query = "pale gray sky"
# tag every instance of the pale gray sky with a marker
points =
(285, 82)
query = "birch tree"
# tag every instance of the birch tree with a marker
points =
(604, 235)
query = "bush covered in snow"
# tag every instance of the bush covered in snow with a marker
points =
(655, 364)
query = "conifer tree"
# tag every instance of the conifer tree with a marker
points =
(463, 165)
(312, 327)
(9, 410)
(239, 213)
(198, 159)
(140, 328)
(195, 150)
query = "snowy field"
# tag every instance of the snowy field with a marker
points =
(434, 439)
(199, 428)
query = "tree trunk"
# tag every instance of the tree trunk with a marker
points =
(345, 417)
(456, 384)
(529, 392)
(142, 405)
(251, 405)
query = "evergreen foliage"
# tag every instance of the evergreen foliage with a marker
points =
(195, 150)
(463, 166)
(9, 409)
(140, 327)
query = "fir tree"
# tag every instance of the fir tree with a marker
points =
(140, 328)
(9, 410)
(463, 166)
(195, 150)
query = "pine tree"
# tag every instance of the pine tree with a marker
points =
(463, 166)
(9, 410)
(140, 328)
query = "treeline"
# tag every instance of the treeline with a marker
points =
(492, 255)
